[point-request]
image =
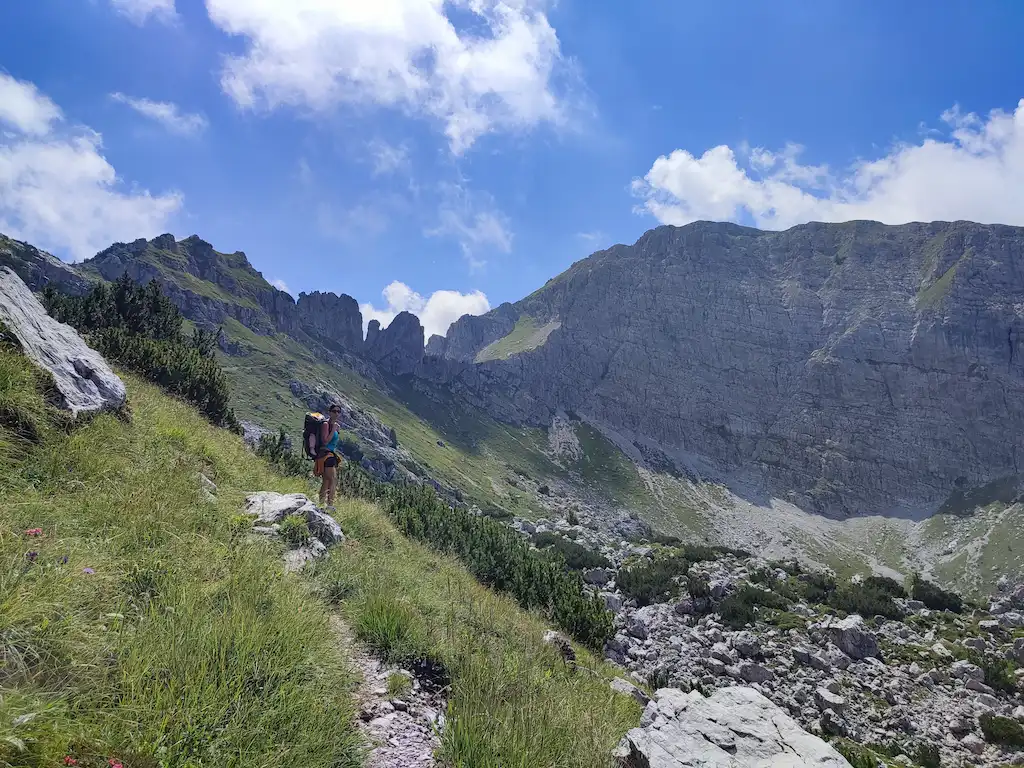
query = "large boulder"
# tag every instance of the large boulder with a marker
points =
(852, 637)
(733, 727)
(82, 376)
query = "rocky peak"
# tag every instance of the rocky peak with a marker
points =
(38, 268)
(399, 347)
(333, 320)
(471, 333)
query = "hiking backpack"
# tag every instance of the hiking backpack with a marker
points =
(311, 428)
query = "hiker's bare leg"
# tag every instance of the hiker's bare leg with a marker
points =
(323, 485)
(331, 478)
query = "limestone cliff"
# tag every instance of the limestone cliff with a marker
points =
(850, 368)
(398, 348)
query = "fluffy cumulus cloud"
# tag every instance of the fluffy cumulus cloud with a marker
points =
(495, 69)
(973, 169)
(281, 285)
(472, 219)
(25, 109)
(57, 190)
(166, 113)
(436, 313)
(140, 11)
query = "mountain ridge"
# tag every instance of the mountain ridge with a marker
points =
(647, 379)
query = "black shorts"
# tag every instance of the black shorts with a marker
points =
(331, 461)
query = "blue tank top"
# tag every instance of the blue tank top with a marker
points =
(332, 444)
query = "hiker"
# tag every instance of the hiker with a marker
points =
(329, 457)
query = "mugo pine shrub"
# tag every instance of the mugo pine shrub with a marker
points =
(491, 551)
(140, 328)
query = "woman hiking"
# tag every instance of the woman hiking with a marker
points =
(329, 459)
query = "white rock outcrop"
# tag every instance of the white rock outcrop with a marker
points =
(731, 728)
(82, 376)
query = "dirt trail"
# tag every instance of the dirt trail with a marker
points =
(400, 731)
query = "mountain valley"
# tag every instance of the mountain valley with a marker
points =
(849, 394)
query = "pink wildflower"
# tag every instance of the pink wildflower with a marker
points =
(114, 763)
(69, 760)
(34, 532)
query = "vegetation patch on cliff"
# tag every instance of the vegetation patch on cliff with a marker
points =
(528, 333)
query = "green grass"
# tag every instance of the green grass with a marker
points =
(528, 333)
(513, 701)
(604, 466)
(183, 644)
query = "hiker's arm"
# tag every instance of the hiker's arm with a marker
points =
(325, 434)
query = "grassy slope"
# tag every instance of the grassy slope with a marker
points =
(527, 334)
(513, 701)
(188, 646)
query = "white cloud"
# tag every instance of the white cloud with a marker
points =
(435, 313)
(387, 158)
(139, 11)
(496, 71)
(58, 191)
(473, 219)
(281, 285)
(168, 114)
(974, 170)
(24, 108)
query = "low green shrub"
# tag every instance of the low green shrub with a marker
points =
(785, 620)
(934, 596)
(294, 531)
(816, 586)
(999, 672)
(575, 556)
(140, 328)
(737, 610)
(928, 755)
(653, 581)
(885, 585)
(865, 599)
(275, 449)
(1002, 730)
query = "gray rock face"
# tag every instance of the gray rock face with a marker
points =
(82, 376)
(733, 727)
(848, 367)
(333, 320)
(399, 347)
(38, 268)
(469, 334)
(209, 287)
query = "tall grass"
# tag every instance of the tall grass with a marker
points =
(138, 627)
(513, 701)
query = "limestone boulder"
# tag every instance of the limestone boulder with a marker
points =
(83, 378)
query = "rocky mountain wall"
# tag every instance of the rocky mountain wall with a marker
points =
(850, 367)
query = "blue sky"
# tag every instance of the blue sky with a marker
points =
(462, 153)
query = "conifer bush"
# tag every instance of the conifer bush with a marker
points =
(653, 581)
(492, 552)
(139, 328)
